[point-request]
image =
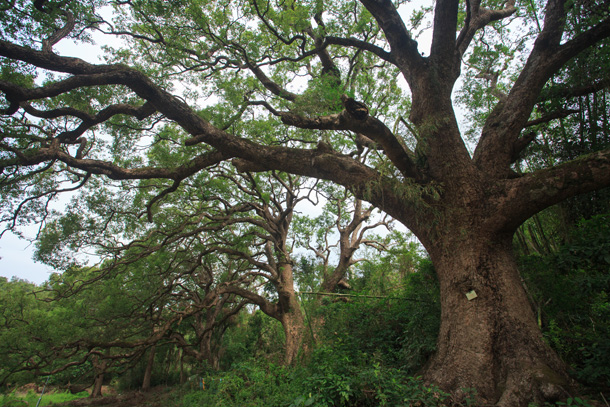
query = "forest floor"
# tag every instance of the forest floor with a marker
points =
(156, 397)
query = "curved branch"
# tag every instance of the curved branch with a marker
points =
(51, 193)
(274, 31)
(163, 193)
(265, 306)
(54, 62)
(270, 85)
(47, 44)
(478, 18)
(88, 120)
(21, 94)
(114, 171)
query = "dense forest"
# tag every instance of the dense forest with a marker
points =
(309, 203)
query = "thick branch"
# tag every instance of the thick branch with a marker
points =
(313, 163)
(404, 48)
(47, 44)
(371, 127)
(265, 306)
(534, 192)
(20, 94)
(54, 62)
(270, 85)
(113, 171)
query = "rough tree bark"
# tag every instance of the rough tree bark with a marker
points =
(492, 342)
(489, 339)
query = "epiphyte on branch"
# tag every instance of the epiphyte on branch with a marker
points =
(357, 109)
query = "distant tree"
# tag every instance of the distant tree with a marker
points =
(245, 58)
(333, 237)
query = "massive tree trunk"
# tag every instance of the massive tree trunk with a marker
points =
(489, 339)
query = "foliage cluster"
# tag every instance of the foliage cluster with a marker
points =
(248, 383)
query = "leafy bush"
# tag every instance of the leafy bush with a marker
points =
(252, 383)
(255, 335)
(337, 379)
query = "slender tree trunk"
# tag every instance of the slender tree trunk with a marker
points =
(290, 315)
(490, 342)
(182, 375)
(149, 368)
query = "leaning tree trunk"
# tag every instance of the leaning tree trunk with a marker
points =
(489, 339)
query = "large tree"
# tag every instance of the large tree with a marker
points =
(273, 75)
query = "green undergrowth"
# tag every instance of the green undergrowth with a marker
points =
(326, 384)
(332, 378)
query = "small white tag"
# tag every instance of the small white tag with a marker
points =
(471, 295)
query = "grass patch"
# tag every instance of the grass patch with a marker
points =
(31, 398)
